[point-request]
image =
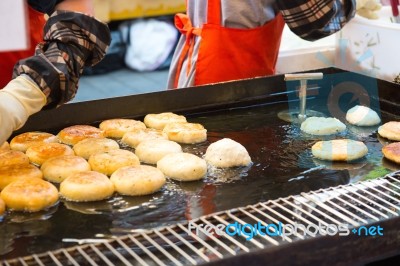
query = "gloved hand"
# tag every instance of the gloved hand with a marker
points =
(368, 8)
(18, 100)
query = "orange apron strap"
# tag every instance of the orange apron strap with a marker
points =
(214, 12)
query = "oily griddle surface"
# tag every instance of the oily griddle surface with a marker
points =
(282, 165)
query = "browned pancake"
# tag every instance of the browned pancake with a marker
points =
(23, 141)
(73, 134)
(12, 173)
(392, 152)
(11, 157)
(38, 154)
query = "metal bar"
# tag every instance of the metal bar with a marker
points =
(38, 261)
(54, 258)
(88, 258)
(324, 206)
(179, 250)
(379, 198)
(161, 249)
(22, 261)
(148, 252)
(100, 254)
(69, 257)
(131, 252)
(367, 199)
(219, 255)
(272, 219)
(116, 253)
(386, 188)
(204, 257)
(344, 210)
(234, 241)
(211, 236)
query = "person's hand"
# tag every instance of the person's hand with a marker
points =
(368, 8)
(18, 100)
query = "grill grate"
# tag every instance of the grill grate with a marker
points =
(355, 205)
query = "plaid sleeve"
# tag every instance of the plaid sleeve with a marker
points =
(71, 41)
(315, 19)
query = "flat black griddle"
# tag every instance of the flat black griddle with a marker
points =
(245, 111)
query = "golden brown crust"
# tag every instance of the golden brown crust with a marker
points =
(57, 169)
(12, 173)
(392, 152)
(390, 130)
(38, 154)
(86, 186)
(73, 134)
(134, 137)
(4, 147)
(23, 141)
(158, 121)
(116, 128)
(110, 161)
(188, 133)
(30, 195)
(86, 147)
(11, 157)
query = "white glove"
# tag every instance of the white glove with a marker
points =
(368, 8)
(18, 100)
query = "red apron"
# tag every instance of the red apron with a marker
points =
(228, 53)
(9, 59)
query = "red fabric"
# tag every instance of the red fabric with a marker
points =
(9, 59)
(231, 54)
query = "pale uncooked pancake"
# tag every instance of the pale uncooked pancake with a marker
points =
(38, 154)
(227, 153)
(322, 126)
(30, 195)
(390, 130)
(89, 146)
(12, 173)
(188, 133)
(134, 137)
(183, 166)
(25, 140)
(110, 161)
(11, 157)
(137, 180)
(5, 146)
(2, 207)
(116, 128)
(57, 169)
(73, 134)
(86, 186)
(362, 116)
(158, 121)
(339, 150)
(150, 151)
(392, 152)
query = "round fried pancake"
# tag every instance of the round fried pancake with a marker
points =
(183, 166)
(30, 195)
(109, 161)
(158, 121)
(73, 134)
(392, 152)
(2, 207)
(89, 146)
(57, 169)
(137, 180)
(38, 154)
(86, 186)
(227, 153)
(134, 137)
(390, 130)
(12, 173)
(188, 133)
(150, 151)
(339, 150)
(11, 157)
(322, 126)
(5, 146)
(25, 140)
(116, 128)
(362, 116)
